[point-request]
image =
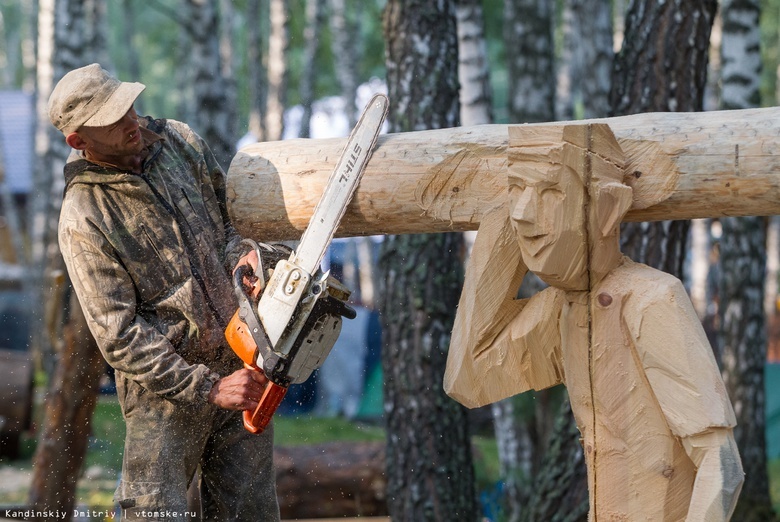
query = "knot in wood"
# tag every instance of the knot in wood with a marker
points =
(668, 472)
(605, 299)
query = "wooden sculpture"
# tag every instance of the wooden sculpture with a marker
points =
(548, 198)
(646, 393)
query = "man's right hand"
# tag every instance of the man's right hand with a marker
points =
(241, 390)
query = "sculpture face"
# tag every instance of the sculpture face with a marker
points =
(547, 209)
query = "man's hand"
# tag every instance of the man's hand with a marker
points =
(241, 390)
(251, 286)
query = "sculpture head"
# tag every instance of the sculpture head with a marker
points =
(566, 201)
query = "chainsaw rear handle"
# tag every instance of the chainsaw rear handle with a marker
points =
(257, 421)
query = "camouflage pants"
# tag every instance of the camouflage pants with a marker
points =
(166, 443)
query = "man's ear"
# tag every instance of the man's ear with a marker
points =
(75, 141)
(612, 202)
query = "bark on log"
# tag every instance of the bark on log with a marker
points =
(681, 166)
(331, 480)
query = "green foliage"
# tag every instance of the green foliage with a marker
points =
(770, 51)
(108, 434)
(774, 483)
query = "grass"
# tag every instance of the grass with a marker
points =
(774, 483)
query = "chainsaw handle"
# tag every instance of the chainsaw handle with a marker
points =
(257, 421)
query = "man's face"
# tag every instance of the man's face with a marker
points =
(118, 140)
(547, 208)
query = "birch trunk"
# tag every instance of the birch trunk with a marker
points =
(662, 67)
(743, 274)
(72, 392)
(346, 53)
(528, 32)
(476, 99)
(430, 474)
(277, 70)
(256, 13)
(215, 93)
(311, 36)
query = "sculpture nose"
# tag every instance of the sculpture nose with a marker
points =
(525, 208)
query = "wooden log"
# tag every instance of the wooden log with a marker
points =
(336, 479)
(680, 165)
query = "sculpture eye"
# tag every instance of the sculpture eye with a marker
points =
(551, 192)
(517, 185)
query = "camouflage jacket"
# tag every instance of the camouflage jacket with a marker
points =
(150, 257)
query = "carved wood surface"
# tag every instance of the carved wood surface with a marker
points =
(680, 165)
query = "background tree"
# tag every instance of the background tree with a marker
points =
(256, 13)
(346, 52)
(676, 35)
(662, 67)
(429, 466)
(278, 42)
(212, 77)
(523, 423)
(476, 97)
(743, 273)
(528, 32)
(560, 490)
(65, 35)
(315, 17)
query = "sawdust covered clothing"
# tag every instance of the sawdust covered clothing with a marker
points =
(149, 257)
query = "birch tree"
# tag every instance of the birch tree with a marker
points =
(277, 69)
(315, 14)
(346, 51)
(523, 423)
(429, 467)
(661, 67)
(71, 396)
(212, 78)
(560, 482)
(476, 97)
(528, 34)
(256, 14)
(743, 273)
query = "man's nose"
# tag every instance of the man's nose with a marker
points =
(130, 120)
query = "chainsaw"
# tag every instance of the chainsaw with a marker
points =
(289, 331)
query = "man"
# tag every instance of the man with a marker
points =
(646, 393)
(149, 246)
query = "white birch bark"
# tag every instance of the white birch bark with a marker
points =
(743, 272)
(311, 36)
(277, 69)
(346, 53)
(473, 67)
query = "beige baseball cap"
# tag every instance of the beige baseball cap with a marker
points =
(92, 97)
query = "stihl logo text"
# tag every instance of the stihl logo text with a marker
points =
(356, 150)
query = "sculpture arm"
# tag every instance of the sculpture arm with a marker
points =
(489, 356)
(719, 475)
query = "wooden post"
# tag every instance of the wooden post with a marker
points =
(679, 165)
